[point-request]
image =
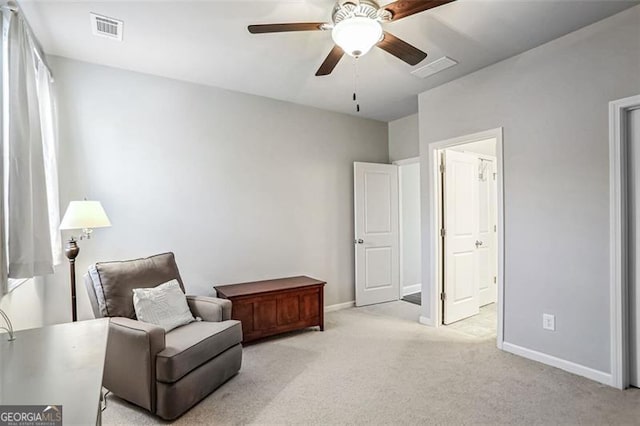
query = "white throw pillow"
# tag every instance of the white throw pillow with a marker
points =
(164, 305)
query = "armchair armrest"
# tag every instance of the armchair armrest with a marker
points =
(210, 309)
(130, 366)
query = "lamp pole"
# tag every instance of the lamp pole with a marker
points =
(71, 250)
(84, 215)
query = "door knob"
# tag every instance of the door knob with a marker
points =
(358, 241)
(478, 243)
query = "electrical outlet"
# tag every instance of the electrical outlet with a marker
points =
(549, 322)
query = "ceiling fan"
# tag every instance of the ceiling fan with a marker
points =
(357, 26)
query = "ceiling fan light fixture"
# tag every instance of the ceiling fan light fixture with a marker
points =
(357, 35)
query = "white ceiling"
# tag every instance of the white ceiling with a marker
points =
(207, 42)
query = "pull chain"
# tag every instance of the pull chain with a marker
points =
(355, 83)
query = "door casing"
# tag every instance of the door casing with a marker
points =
(618, 248)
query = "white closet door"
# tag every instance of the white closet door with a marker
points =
(461, 236)
(487, 259)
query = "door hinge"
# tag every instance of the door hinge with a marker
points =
(494, 228)
(494, 280)
(494, 176)
(442, 168)
(443, 232)
(443, 296)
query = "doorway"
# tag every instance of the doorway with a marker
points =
(465, 214)
(468, 224)
(410, 245)
(387, 240)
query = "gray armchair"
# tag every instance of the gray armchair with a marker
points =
(165, 373)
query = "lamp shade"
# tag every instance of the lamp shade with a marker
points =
(84, 215)
(357, 35)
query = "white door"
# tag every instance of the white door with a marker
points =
(487, 259)
(460, 204)
(376, 233)
(634, 247)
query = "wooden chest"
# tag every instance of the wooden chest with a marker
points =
(271, 307)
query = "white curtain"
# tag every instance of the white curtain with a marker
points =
(49, 129)
(29, 133)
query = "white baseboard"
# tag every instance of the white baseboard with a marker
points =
(425, 321)
(571, 367)
(340, 306)
(410, 289)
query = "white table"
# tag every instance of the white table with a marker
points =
(56, 365)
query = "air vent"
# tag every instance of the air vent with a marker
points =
(103, 26)
(434, 67)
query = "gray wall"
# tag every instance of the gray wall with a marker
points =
(239, 187)
(403, 138)
(26, 304)
(553, 104)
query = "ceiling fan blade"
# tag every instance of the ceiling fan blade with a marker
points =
(281, 28)
(401, 49)
(403, 8)
(331, 61)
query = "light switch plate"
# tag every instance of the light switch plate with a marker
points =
(549, 322)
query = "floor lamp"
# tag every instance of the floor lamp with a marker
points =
(84, 215)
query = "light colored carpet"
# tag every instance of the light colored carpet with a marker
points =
(377, 365)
